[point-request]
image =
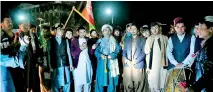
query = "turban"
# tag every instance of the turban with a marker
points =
(106, 26)
(209, 18)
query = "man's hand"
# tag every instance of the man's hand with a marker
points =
(83, 46)
(71, 68)
(179, 65)
(103, 56)
(147, 71)
(94, 46)
(26, 39)
(128, 62)
(109, 57)
(133, 63)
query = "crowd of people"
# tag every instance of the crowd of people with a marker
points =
(140, 60)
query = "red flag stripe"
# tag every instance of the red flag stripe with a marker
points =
(88, 14)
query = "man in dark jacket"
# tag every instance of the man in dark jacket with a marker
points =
(60, 60)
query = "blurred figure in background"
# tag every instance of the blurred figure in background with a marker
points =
(31, 59)
(91, 49)
(117, 33)
(146, 32)
(44, 60)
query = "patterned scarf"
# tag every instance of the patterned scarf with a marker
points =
(163, 45)
(113, 63)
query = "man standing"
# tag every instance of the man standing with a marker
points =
(107, 65)
(81, 62)
(179, 51)
(21, 35)
(204, 60)
(60, 60)
(134, 64)
(11, 55)
(177, 55)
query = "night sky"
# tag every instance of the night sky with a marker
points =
(139, 12)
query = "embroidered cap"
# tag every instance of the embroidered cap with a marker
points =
(177, 20)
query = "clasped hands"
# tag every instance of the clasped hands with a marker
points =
(105, 56)
(130, 63)
(83, 46)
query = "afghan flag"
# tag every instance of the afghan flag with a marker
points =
(87, 14)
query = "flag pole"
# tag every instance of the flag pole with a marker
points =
(68, 17)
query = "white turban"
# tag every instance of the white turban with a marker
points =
(106, 26)
(145, 26)
(209, 18)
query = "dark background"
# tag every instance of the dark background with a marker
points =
(139, 12)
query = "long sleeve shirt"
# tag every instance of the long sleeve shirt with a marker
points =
(189, 59)
(69, 53)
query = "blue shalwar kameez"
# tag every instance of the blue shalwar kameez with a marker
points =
(104, 78)
(61, 75)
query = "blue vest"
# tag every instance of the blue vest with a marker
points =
(180, 49)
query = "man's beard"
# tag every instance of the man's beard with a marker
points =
(9, 28)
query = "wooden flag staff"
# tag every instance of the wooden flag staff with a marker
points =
(68, 17)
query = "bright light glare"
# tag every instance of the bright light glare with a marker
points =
(21, 17)
(108, 11)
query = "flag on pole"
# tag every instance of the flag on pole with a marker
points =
(87, 14)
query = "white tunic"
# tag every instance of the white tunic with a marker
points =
(157, 74)
(83, 72)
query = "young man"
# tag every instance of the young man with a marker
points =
(60, 60)
(204, 60)
(134, 63)
(12, 55)
(177, 55)
(179, 51)
(81, 62)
